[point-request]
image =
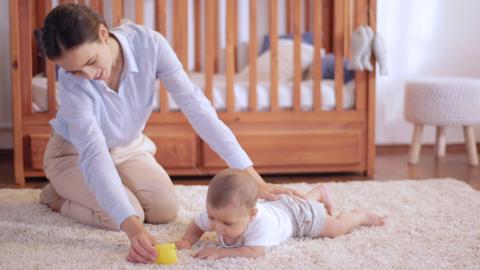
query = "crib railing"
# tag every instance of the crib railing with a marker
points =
(299, 16)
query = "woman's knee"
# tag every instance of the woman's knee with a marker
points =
(159, 207)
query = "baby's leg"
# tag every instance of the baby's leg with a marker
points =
(344, 223)
(321, 194)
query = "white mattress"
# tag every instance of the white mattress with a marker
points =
(241, 89)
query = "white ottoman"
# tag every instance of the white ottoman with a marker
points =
(443, 102)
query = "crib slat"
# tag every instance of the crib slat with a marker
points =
(360, 76)
(50, 71)
(288, 16)
(235, 34)
(230, 58)
(338, 50)
(161, 26)
(180, 35)
(216, 36)
(317, 59)
(372, 11)
(25, 54)
(139, 11)
(273, 22)
(252, 56)
(160, 16)
(197, 5)
(297, 69)
(308, 15)
(97, 5)
(117, 11)
(209, 47)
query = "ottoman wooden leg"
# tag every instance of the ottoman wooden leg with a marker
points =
(471, 145)
(440, 142)
(416, 144)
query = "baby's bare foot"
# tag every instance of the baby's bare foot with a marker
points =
(370, 218)
(56, 205)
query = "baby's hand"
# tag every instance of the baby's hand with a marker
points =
(183, 244)
(209, 254)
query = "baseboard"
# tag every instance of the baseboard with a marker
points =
(404, 148)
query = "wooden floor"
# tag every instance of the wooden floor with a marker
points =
(391, 164)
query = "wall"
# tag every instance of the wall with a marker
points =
(422, 38)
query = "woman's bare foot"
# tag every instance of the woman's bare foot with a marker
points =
(56, 205)
(370, 218)
(321, 194)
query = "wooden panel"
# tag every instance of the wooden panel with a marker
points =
(38, 144)
(252, 57)
(273, 21)
(317, 59)
(230, 58)
(338, 50)
(176, 147)
(295, 147)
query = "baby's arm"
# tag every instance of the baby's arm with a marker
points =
(218, 253)
(191, 236)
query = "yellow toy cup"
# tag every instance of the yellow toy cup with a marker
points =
(167, 253)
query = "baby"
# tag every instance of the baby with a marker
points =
(246, 227)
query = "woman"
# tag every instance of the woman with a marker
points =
(101, 167)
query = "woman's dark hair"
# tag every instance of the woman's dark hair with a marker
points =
(68, 26)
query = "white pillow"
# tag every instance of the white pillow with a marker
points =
(285, 62)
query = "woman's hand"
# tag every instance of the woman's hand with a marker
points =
(271, 192)
(142, 244)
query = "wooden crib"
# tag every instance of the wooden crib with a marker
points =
(278, 139)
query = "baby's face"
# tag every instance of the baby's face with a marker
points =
(230, 221)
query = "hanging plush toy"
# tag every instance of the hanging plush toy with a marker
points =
(363, 42)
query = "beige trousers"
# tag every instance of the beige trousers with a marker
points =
(148, 186)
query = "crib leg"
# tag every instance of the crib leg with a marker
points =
(440, 141)
(416, 144)
(471, 145)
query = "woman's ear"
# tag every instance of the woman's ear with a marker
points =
(103, 33)
(253, 212)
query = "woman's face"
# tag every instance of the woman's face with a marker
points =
(90, 60)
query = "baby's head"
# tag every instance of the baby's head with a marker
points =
(231, 199)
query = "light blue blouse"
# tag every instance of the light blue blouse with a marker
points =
(96, 119)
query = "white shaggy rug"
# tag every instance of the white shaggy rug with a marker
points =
(432, 224)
